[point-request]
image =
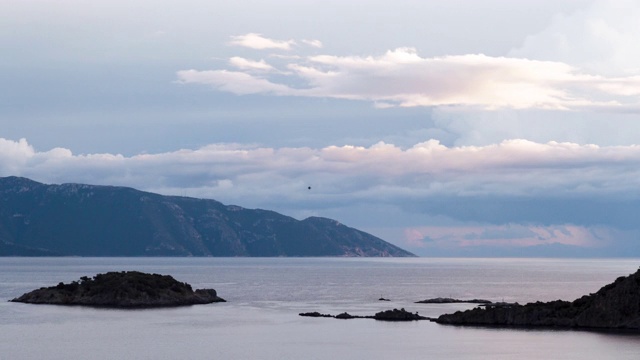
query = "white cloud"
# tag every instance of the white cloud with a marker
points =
(516, 193)
(257, 41)
(402, 78)
(13, 149)
(313, 43)
(601, 38)
(249, 65)
(232, 81)
(472, 127)
(381, 172)
(14, 154)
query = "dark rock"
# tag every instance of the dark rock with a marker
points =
(343, 315)
(398, 315)
(440, 300)
(614, 307)
(315, 314)
(388, 315)
(131, 289)
(346, 315)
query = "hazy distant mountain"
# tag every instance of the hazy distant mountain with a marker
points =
(88, 220)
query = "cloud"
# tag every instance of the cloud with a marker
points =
(14, 154)
(249, 65)
(516, 169)
(510, 235)
(487, 240)
(601, 38)
(313, 43)
(235, 82)
(257, 41)
(401, 77)
(516, 193)
(472, 127)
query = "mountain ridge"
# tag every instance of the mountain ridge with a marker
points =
(96, 220)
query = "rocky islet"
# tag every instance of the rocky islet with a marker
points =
(126, 289)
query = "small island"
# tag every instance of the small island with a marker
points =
(126, 289)
(387, 315)
(615, 306)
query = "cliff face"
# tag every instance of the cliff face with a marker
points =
(615, 306)
(87, 220)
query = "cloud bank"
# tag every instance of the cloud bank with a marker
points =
(401, 77)
(600, 38)
(558, 192)
(517, 168)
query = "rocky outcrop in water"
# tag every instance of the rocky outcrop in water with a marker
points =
(441, 300)
(316, 314)
(131, 289)
(398, 315)
(614, 307)
(387, 315)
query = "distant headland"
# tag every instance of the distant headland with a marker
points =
(87, 220)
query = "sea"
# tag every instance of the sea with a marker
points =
(265, 295)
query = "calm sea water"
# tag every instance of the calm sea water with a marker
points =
(260, 319)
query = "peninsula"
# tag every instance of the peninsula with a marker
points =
(615, 306)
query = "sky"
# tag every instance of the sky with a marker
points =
(449, 128)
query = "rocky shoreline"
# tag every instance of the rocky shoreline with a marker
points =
(615, 306)
(126, 289)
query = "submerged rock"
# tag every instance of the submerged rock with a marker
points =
(398, 315)
(130, 289)
(614, 307)
(315, 314)
(441, 300)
